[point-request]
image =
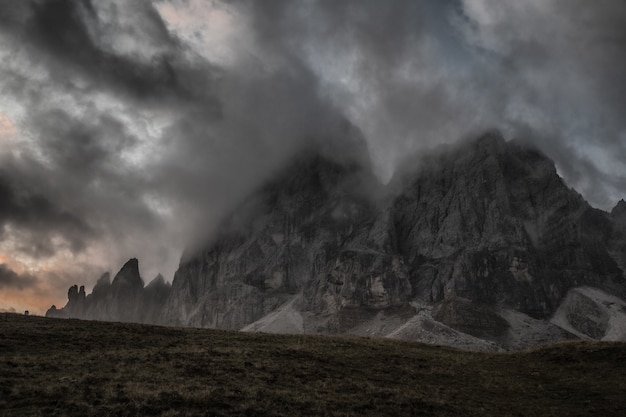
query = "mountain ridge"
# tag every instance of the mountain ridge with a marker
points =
(484, 238)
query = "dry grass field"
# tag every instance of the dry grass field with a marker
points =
(55, 367)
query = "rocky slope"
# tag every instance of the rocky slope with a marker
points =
(483, 247)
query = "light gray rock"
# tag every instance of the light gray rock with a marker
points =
(592, 313)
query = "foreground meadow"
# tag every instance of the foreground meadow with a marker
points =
(55, 367)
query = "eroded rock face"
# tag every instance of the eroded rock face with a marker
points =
(617, 242)
(310, 231)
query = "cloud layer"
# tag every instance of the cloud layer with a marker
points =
(10, 279)
(127, 128)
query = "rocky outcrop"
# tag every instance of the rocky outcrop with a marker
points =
(123, 300)
(592, 313)
(619, 212)
(126, 294)
(75, 304)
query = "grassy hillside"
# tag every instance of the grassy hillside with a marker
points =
(60, 367)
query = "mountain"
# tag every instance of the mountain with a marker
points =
(481, 246)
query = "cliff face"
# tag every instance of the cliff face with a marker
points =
(483, 247)
(617, 242)
(492, 222)
(310, 234)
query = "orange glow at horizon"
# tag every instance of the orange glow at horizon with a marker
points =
(7, 127)
(31, 300)
(36, 299)
(7, 132)
(8, 135)
(15, 265)
(53, 275)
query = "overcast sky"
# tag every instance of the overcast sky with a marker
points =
(127, 126)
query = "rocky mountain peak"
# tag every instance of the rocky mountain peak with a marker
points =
(129, 275)
(619, 211)
(157, 282)
(104, 280)
(103, 283)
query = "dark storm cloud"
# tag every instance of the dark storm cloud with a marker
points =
(90, 149)
(225, 130)
(137, 141)
(376, 62)
(76, 157)
(421, 73)
(382, 29)
(9, 279)
(68, 36)
(563, 65)
(40, 218)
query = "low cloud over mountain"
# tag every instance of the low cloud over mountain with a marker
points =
(129, 128)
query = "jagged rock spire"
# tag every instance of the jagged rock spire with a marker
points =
(129, 275)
